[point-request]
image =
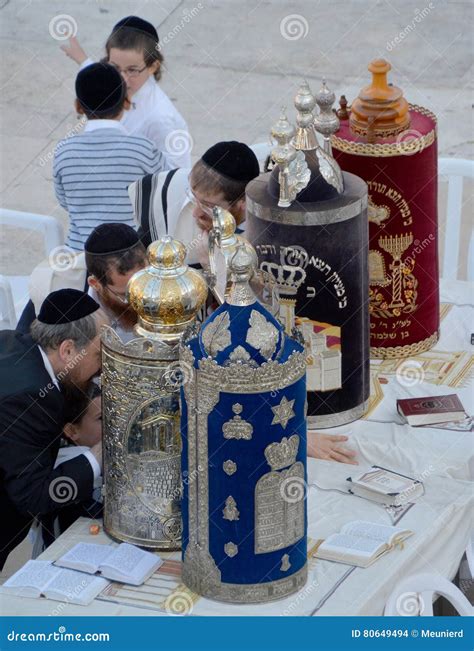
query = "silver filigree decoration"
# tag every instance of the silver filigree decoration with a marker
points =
(239, 354)
(330, 171)
(298, 175)
(283, 412)
(231, 549)
(262, 334)
(237, 427)
(285, 563)
(216, 335)
(230, 511)
(229, 467)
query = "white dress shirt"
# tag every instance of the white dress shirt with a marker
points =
(86, 452)
(154, 116)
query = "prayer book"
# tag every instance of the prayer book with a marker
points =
(385, 486)
(43, 579)
(124, 563)
(431, 410)
(362, 543)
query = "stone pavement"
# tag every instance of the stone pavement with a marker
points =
(230, 66)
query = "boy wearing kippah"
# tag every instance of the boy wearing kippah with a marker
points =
(93, 170)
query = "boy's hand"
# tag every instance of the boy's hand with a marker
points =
(327, 446)
(74, 51)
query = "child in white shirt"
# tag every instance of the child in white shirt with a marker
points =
(133, 48)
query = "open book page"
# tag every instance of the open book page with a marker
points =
(129, 561)
(378, 532)
(355, 545)
(34, 574)
(85, 556)
(74, 587)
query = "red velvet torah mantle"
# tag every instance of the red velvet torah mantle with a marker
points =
(401, 173)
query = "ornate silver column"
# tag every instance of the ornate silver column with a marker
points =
(141, 380)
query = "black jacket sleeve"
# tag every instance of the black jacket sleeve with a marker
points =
(30, 429)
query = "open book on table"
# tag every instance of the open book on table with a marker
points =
(124, 563)
(42, 579)
(362, 543)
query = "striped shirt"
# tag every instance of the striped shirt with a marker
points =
(92, 172)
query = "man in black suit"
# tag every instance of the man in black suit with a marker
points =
(35, 371)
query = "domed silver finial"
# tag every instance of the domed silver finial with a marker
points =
(305, 102)
(293, 173)
(242, 267)
(326, 122)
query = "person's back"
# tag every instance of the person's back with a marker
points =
(92, 170)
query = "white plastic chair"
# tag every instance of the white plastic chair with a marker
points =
(7, 307)
(413, 596)
(455, 170)
(15, 288)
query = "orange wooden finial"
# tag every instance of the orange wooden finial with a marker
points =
(380, 108)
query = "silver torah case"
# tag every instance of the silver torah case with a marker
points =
(141, 382)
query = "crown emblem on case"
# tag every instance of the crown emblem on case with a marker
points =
(289, 279)
(283, 454)
(237, 427)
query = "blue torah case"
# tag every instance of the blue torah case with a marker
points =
(243, 426)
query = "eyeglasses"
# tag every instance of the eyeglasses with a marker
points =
(130, 72)
(205, 206)
(121, 297)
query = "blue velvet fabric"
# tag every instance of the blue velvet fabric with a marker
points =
(246, 567)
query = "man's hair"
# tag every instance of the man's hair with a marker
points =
(109, 115)
(100, 264)
(205, 179)
(132, 39)
(51, 336)
(78, 401)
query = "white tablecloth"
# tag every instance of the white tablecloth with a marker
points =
(440, 520)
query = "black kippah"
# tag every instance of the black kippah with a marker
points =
(65, 306)
(232, 159)
(140, 25)
(100, 89)
(111, 238)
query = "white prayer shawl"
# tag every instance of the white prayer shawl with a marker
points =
(162, 207)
